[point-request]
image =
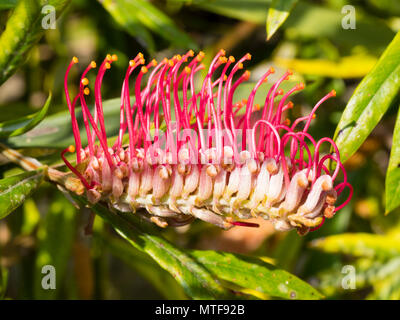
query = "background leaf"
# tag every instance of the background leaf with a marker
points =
(197, 282)
(129, 21)
(7, 4)
(369, 101)
(17, 127)
(14, 190)
(392, 183)
(253, 273)
(151, 17)
(278, 12)
(23, 31)
(360, 245)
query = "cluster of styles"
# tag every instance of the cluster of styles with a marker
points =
(192, 152)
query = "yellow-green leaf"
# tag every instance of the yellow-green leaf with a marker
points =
(392, 183)
(17, 127)
(369, 101)
(360, 245)
(355, 66)
(14, 190)
(278, 12)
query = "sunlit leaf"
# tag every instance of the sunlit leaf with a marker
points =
(17, 127)
(23, 30)
(278, 12)
(369, 101)
(55, 236)
(197, 282)
(253, 273)
(360, 245)
(14, 190)
(347, 67)
(145, 266)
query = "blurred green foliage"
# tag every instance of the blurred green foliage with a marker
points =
(307, 37)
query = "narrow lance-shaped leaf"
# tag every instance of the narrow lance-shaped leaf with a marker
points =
(20, 126)
(156, 20)
(14, 190)
(370, 101)
(23, 30)
(278, 12)
(255, 274)
(129, 21)
(392, 183)
(197, 282)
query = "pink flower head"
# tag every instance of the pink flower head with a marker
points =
(194, 152)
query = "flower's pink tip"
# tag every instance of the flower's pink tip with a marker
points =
(333, 93)
(245, 224)
(93, 64)
(75, 60)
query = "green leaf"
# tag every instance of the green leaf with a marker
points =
(253, 273)
(20, 126)
(392, 183)
(14, 190)
(145, 266)
(151, 17)
(129, 21)
(369, 101)
(197, 282)
(278, 12)
(55, 237)
(23, 30)
(360, 245)
(7, 4)
(249, 10)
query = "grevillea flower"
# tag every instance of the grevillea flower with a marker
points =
(191, 153)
